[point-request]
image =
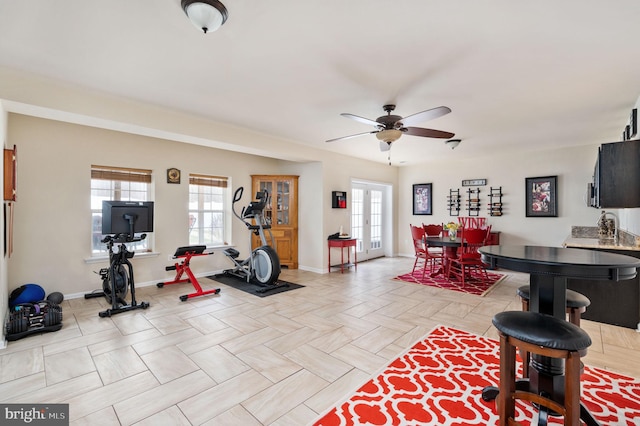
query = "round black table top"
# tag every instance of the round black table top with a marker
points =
(444, 241)
(559, 261)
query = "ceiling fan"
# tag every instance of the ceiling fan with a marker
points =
(389, 127)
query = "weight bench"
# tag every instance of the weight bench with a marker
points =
(186, 253)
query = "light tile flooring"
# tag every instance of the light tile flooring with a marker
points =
(237, 359)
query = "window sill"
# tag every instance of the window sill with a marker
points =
(102, 259)
(139, 255)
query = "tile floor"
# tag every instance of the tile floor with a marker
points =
(237, 359)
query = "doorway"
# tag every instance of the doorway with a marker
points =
(371, 219)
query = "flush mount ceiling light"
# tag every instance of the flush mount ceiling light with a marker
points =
(389, 135)
(452, 143)
(207, 15)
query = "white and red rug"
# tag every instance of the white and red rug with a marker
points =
(439, 381)
(474, 285)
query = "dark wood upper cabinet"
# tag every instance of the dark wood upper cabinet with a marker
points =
(617, 176)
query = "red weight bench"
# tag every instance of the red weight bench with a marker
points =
(186, 253)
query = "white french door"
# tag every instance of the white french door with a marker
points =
(368, 219)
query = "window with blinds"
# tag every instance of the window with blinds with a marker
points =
(208, 210)
(116, 184)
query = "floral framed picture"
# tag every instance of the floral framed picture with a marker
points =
(542, 196)
(422, 198)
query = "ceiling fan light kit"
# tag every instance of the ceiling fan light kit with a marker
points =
(206, 15)
(390, 127)
(452, 143)
(389, 135)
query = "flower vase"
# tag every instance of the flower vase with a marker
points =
(453, 234)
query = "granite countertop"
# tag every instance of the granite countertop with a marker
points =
(601, 243)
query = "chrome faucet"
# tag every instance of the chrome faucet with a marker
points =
(604, 226)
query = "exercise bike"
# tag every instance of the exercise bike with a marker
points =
(116, 279)
(262, 267)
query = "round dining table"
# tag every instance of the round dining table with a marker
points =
(548, 269)
(449, 247)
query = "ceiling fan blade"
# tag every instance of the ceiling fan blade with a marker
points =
(423, 116)
(352, 136)
(384, 146)
(360, 119)
(427, 133)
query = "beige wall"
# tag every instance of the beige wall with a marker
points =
(573, 166)
(52, 225)
(53, 222)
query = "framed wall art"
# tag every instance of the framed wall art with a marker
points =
(173, 175)
(542, 196)
(422, 198)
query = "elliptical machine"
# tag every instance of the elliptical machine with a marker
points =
(262, 267)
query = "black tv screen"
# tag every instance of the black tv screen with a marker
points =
(127, 217)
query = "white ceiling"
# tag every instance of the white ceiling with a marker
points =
(517, 75)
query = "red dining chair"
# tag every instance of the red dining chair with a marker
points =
(423, 258)
(435, 254)
(468, 258)
(417, 234)
(432, 230)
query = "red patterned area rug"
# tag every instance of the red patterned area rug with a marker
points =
(439, 381)
(472, 285)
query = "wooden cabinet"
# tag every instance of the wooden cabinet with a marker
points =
(282, 212)
(616, 176)
(616, 303)
(494, 238)
(10, 174)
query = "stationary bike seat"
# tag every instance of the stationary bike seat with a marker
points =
(232, 253)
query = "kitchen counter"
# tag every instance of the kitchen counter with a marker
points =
(597, 243)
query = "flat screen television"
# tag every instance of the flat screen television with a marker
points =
(127, 217)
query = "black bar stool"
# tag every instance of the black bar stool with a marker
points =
(546, 336)
(576, 303)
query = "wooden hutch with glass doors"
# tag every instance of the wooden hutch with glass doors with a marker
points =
(282, 212)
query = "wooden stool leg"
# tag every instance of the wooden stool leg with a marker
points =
(526, 357)
(574, 317)
(575, 314)
(572, 389)
(506, 403)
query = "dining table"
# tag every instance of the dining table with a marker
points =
(449, 250)
(549, 268)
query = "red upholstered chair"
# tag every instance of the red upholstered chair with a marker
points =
(468, 258)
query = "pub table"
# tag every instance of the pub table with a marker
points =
(549, 269)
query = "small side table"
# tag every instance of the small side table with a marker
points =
(343, 243)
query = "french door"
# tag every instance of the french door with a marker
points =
(368, 219)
